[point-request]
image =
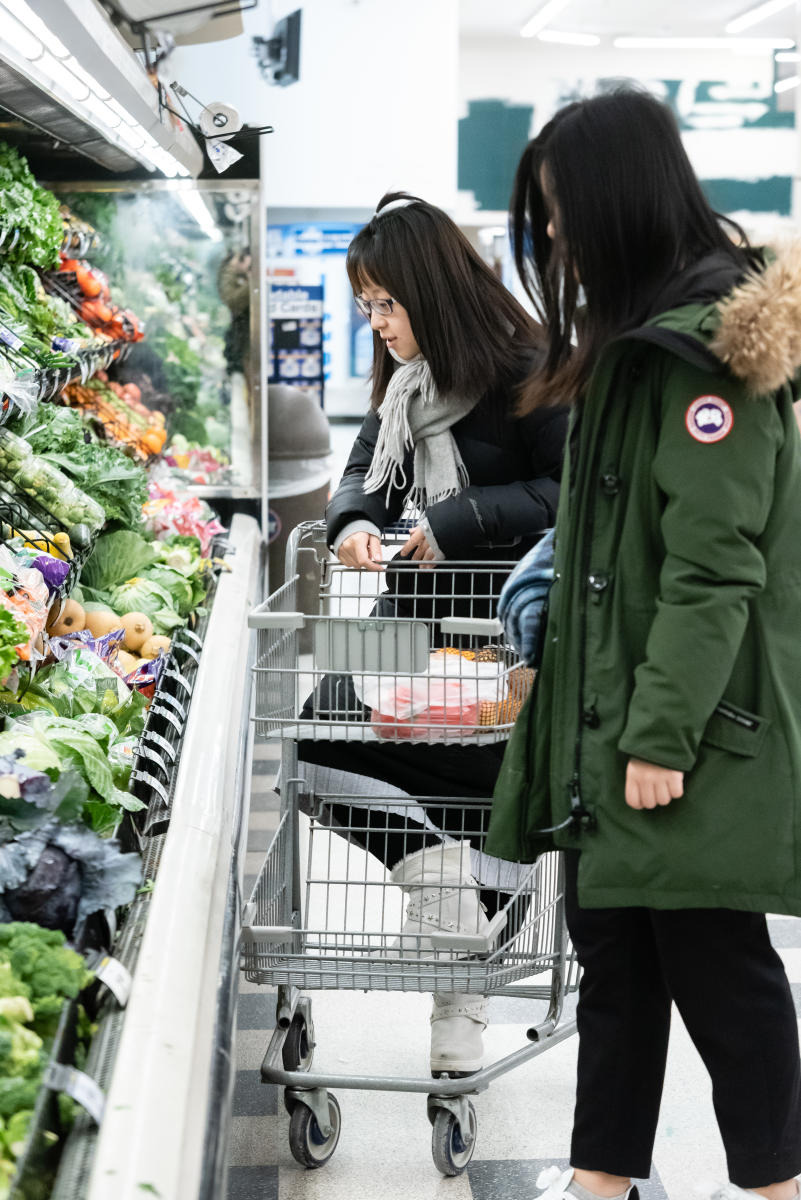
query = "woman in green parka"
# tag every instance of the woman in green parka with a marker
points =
(663, 740)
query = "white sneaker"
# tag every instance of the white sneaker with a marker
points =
(556, 1181)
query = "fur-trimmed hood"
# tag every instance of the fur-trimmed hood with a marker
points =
(759, 335)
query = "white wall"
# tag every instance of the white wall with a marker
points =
(527, 71)
(375, 107)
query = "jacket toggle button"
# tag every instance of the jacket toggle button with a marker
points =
(598, 581)
(610, 483)
(590, 717)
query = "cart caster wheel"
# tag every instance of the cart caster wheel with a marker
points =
(307, 1144)
(451, 1155)
(298, 1048)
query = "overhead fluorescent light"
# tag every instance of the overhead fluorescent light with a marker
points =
(568, 39)
(542, 17)
(759, 13)
(23, 41)
(194, 204)
(27, 17)
(788, 56)
(786, 85)
(742, 45)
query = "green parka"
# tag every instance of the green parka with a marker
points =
(674, 625)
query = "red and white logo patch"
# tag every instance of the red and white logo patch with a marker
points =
(709, 419)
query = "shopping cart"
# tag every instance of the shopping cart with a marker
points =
(410, 654)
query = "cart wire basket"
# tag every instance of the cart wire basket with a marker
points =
(411, 653)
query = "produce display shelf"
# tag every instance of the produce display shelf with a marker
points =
(153, 778)
(158, 1119)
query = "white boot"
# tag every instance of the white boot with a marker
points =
(442, 896)
(457, 1022)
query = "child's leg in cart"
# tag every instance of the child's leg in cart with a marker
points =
(732, 992)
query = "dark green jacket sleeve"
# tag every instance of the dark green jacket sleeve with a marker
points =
(716, 499)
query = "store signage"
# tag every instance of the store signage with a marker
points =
(289, 302)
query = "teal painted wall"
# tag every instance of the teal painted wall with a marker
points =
(492, 137)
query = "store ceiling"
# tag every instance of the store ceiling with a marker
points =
(615, 18)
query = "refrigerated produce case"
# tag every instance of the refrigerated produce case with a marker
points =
(156, 1075)
(189, 254)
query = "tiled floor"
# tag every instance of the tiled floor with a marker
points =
(384, 1150)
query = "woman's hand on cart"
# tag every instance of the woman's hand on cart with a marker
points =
(650, 786)
(417, 548)
(363, 551)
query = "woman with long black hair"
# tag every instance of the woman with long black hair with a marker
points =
(663, 739)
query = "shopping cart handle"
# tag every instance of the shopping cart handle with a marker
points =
(476, 943)
(276, 620)
(475, 626)
(275, 934)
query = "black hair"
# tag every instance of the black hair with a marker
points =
(470, 329)
(629, 214)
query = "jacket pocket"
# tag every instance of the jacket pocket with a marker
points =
(736, 730)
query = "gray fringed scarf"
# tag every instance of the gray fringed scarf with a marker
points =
(413, 414)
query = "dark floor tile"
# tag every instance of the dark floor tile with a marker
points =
(266, 766)
(252, 1098)
(256, 1010)
(253, 1183)
(259, 839)
(265, 802)
(510, 1179)
(785, 933)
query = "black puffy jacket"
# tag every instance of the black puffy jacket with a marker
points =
(514, 467)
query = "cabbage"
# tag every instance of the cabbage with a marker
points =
(116, 557)
(176, 583)
(142, 595)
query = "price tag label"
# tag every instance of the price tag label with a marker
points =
(9, 338)
(174, 704)
(116, 977)
(154, 784)
(158, 740)
(189, 635)
(66, 345)
(82, 1088)
(179, 679)
(161, 711)
(153, 756)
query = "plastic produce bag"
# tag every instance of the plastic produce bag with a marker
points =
(442, 703)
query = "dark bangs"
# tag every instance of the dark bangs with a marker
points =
(470, 329)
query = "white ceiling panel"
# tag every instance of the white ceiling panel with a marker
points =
(613, 18)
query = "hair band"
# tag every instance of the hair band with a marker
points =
(401, 202)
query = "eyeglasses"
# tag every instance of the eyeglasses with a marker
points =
(366, 307)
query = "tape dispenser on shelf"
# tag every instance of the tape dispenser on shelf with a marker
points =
(217, 123)
(219, 120)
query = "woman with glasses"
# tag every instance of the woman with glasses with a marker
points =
(442, 441)
(663, 743)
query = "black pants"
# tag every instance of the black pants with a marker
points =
(730, 988)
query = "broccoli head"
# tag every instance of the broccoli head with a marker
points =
(17, 1093)
(42, 960)
(19, 1049)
